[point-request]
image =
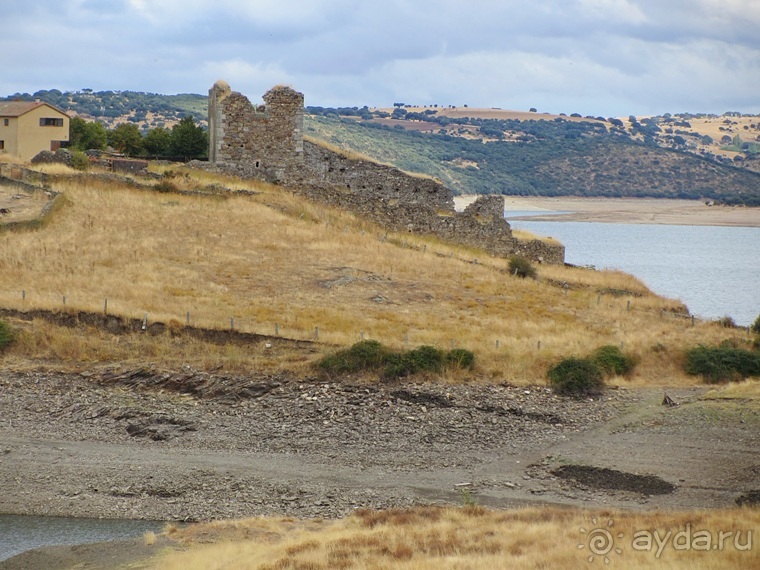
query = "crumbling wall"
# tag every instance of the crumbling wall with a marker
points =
(262, 141)
(266, 142)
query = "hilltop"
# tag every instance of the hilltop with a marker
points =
(495, 151)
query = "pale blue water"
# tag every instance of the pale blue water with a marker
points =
(21, 533)
(714, 270)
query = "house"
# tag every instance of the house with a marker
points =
(28, 127)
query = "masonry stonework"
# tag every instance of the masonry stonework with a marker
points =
(266, 142)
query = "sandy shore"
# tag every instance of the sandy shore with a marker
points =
(630, 210)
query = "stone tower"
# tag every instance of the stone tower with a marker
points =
(265, 141)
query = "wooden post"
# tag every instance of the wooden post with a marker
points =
(539, 345)
(497, 343)
(598, 298)
(188, 318)
(232, 324)
(276, 329)
(361, 335)
(105, 307)
(64, 300)
(316, 333)
(629, 305)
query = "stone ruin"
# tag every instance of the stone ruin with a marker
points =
(266, 142)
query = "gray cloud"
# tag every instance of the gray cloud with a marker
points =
(608, 57)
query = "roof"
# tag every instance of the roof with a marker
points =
(18, 108)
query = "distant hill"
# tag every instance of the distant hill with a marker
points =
(692, 156)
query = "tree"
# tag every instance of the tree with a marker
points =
(188, 139)
(157, 142)
(126, 138)
(84, 135)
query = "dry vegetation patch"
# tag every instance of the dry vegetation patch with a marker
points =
(268, 261)
(471, 537)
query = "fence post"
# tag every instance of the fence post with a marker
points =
(276, 329)
(188, 318)
(105, 307)
(539, 345)
(497, 343)
(64, 300)
(361, 335)
(23, 294)
(598, 298)
(629, 305)
(316, 333)
(232, 324)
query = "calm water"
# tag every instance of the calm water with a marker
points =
(21, 533)
(714, 270)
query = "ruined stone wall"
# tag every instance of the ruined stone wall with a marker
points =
(266, 142)
(262, 141)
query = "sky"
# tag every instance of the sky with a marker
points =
(593, 57)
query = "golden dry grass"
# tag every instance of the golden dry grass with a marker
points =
(274, 259)
(475, 538)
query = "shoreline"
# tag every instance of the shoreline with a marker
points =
(627, 210)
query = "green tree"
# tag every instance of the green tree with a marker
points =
(126, 138)
(157, 142)
(85, 135)
(189, 139)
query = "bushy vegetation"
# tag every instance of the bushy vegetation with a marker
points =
(372, 356)
(79, 160)
(6, 335)
(722, 363)
(576, 377)
(521, 267)
(612, 361)
(582, 376)
(756, 326)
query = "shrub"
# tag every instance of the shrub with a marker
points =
(79, 160)
(576, 377)
(727, 322)
(422, 359)
(6, 335)
(722, 363)
(612, 362)
(364, 355)
(370, 355)
(521, 267)
(755, 328)
(166, 186)
(460, 358)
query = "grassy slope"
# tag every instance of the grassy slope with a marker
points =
(274, 258)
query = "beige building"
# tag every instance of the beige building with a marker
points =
(28, 127)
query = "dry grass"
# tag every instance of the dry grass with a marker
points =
(471, 538)
(275, 259)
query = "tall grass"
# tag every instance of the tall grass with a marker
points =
(471, 537)
(273, 259)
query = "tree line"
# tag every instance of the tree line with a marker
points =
(185, 139)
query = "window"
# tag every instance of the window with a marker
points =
(6, 121)
(51, 122)
(2, 145)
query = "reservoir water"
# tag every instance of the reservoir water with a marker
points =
(21, 533)
(714, 270)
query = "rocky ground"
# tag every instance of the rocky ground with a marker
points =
(129, 444)
(188, 446)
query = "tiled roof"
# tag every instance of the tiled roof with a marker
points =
(18, 108)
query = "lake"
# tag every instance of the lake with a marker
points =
(714, 270)
(21, 533)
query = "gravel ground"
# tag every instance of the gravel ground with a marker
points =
(193, 446)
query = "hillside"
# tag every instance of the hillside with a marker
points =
(504, 152)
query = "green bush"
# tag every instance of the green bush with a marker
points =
(612, 362)
(422, 359)
(79, 160)
(460, 358)
(364, 355)
(370, 355)
(722, 363)
(756, 326)
(576, 377)
(6, 335)
(521, 267)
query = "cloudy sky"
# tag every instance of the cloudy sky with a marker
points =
(598, 57)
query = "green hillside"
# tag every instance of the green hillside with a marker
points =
(548, 158)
